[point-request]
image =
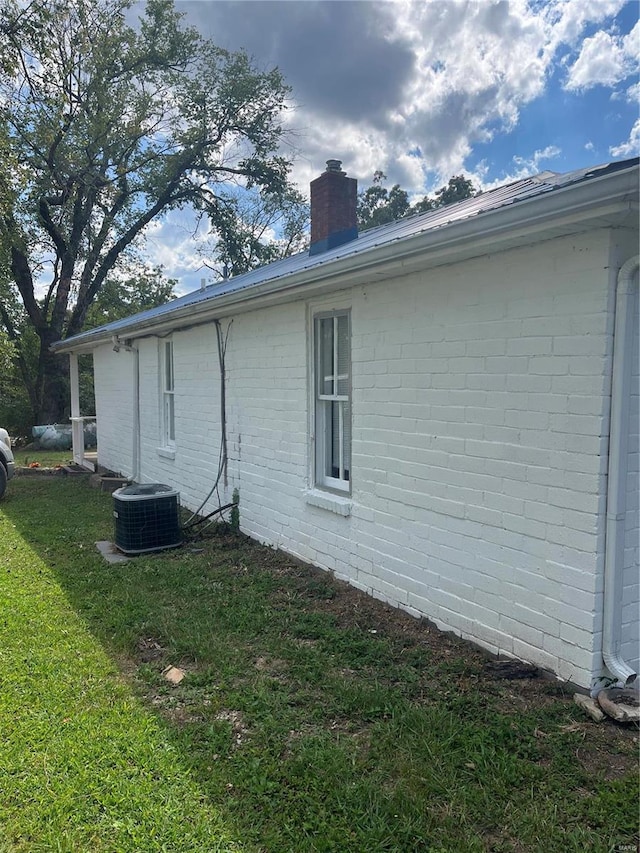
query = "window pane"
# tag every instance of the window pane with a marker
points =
(169, 417)
(343, 355)
(336, 441)
(325, 343)
(333, 411)
(168, 366)
(338, 456)
(346, 439)
(167, 410)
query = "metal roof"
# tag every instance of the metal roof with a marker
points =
(491, 200)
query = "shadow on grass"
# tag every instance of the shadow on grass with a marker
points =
(310, 725)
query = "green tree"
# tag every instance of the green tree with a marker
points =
(18, 356)
(139, 290)
(457, 189)
(378, 206)
(259, 230)
(108, 128)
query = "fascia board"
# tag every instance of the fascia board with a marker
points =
(601, 202)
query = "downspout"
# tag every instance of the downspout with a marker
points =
(223, 399)
(135, 460)
(616, 479)
(135, 449)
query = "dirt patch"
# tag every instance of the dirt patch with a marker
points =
(426, 664)
(176, 710)
(149, 649)
(611, 746)
(239, 730)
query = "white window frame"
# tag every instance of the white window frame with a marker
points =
(167, 394)
(323, 404)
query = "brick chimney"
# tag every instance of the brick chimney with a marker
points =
(334, 219)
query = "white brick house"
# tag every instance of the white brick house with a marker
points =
(425, 410)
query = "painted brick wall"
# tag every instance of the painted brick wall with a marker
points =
(479, 435)
(194, 465)
(269, 441)
(478, 446)
(113, 377)
(480, 400)
(197, 407)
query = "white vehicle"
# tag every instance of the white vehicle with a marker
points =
(7, 465)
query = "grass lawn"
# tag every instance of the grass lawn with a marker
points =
(311, 718)
(45, 458)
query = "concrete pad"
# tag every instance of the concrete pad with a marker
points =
(111, 553)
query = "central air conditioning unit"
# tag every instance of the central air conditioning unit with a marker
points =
(146, 518)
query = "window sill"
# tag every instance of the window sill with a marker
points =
(325, 500)
(166, 452)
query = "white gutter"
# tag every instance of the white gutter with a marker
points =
(616, 479)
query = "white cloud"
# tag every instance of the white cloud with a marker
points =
(413, 87)
(568, 18)
(522, 167)
(633, 93)
(630, 148)
(533, 162)
(604, 59)
(178, 243)
(476, 66)
(631, 43)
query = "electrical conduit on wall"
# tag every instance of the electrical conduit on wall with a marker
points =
(136, 415)
(616, 479)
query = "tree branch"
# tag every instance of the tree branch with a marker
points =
(24, 281)
(15, 339)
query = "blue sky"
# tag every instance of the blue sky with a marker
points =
(425, 89)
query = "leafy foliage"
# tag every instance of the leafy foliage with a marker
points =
(457, 189)
(107, 127)
(248, 239)
(140, 290)
(137, 290)
(377, 205)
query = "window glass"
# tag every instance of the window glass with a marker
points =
(168, 398)
(333, 407)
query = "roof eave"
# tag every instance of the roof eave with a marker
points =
(601, 202)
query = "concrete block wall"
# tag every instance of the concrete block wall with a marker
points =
(193, 464)
(480, 429)
(479, 444)
(113, 378)
(480, 405)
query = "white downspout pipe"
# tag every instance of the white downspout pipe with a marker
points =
(136, 415)
(136, 443)
(616, 479)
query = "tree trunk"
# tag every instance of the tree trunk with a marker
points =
(53, 383)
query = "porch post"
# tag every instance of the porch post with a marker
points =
(77, 425)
